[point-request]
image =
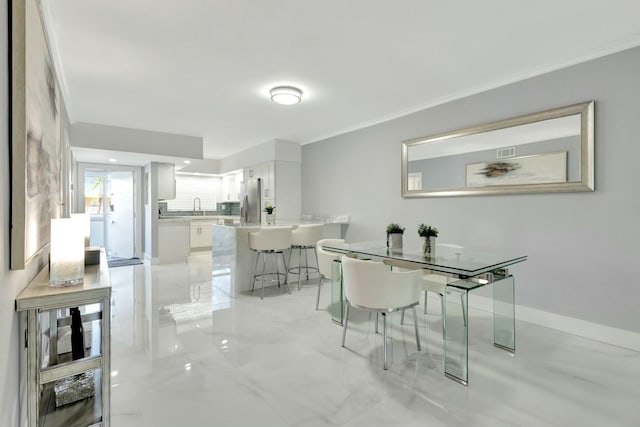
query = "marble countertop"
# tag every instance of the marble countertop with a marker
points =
(212, 218)
(282, 223)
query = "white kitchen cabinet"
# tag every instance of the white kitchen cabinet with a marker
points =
(200, 234)
(280, 187)
(268, 181)
(173, 241)
(166, 181)
(231, 187)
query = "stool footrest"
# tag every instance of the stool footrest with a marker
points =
(304, 270)
(274, 277)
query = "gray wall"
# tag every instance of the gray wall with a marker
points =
(11, 282)
(91, 135)
(583, 248)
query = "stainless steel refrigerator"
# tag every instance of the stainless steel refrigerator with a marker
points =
(250, 208)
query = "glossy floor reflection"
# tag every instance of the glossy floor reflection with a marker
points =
(186, 354)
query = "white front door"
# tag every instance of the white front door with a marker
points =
(120, 215)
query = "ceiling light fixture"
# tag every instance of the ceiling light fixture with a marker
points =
(112, 160)
(286, 95)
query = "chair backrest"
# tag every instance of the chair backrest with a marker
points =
(449, 250)
(326, 258)
(270, 238)
(307, 234)
(373, 285)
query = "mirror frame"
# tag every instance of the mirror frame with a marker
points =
(586, 111)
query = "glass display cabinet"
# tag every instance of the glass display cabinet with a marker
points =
(67, 350)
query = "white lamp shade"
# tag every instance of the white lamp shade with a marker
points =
(66, 265)
(286, 95)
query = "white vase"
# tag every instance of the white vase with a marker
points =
(271, 219)
(395, 242)
(429, 246)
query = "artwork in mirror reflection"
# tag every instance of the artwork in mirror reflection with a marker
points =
(548, 151)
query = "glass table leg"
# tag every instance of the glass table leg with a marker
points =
(337, 304)
(456, 334)
(504, 327)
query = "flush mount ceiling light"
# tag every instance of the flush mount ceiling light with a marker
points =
(286, 95)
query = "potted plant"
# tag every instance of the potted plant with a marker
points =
(270, 217)
(394, 236)
(428, 234)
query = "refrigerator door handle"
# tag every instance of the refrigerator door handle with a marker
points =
(244, 209)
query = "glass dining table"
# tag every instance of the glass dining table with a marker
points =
(469, 270)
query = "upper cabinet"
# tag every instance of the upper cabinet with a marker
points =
(280, 187)
(166, 181)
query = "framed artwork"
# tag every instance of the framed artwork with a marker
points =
(35, 135)
(543, 168)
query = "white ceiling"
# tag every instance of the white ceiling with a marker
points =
(204, 67)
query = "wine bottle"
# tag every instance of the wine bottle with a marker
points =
(77, 334)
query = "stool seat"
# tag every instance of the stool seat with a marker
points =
(270, 241)
(305, 238)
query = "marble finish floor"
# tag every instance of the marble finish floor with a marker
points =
(186, 354)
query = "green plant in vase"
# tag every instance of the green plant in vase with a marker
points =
(428, 234)
(394, 236)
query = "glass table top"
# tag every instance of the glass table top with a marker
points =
(469, 264)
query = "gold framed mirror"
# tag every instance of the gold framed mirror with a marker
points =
(548, 151)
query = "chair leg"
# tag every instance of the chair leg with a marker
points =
(315, 253)
(277, 267)
(384, 338)
(253, 272)
(425, 301)
(288, 262)
(346, 320)
(306, 262)
(319, 286)
(442, 312)
(415, 325)
(377, 322)
(464, 315)
(299, 266)
(402, 318)
(286, 273)
(264, 268)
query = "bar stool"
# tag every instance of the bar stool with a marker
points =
(305, 238)
(270, 241)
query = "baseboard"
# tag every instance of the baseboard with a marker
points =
(151, 260)
(582, 328)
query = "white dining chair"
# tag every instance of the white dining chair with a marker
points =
(372, 286)
(325, 261)
(437, 282)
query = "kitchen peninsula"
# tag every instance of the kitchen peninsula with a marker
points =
(233, 260)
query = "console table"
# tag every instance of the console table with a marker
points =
(47, 348)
